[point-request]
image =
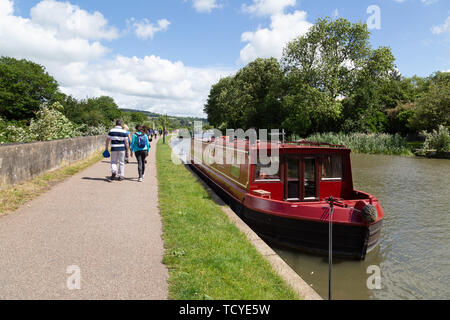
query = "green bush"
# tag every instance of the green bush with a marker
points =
(50, 124)
(438, 140)
(16, 133)
(3, 125)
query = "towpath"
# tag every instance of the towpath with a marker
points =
(87, 238)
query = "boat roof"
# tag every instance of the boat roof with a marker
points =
(289, 145)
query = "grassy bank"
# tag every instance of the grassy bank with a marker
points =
(207, 256)
(367, 143)
(14, 197)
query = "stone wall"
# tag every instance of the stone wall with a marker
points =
(21, 162)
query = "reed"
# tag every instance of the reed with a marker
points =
(373, 143)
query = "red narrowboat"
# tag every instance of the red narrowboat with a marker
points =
(289, 206)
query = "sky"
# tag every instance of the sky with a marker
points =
(164, 55)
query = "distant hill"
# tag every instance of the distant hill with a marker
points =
(147, 113)
(180, 121)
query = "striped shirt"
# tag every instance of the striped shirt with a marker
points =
(118, 137)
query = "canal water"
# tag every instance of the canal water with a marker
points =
(414, 253)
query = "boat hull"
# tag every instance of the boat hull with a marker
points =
(349, 240)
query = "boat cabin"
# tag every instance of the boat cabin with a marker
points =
(305, 171)
(306, 174)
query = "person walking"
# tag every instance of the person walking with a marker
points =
(119, 149)
(146, 131)
(141, 147)
(127, 129)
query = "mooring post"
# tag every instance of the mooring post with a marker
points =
(330, 250)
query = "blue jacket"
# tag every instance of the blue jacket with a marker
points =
(135, 146)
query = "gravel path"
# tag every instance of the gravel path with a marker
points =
(108, 233)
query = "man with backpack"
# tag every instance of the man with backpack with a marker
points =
(141, 147)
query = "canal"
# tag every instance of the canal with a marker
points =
(414, 253)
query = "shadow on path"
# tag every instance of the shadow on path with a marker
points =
(106, 179)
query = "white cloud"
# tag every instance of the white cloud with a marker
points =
(205, 5)
(428, 2)
(269, 42)
(268, 7)
(25, 38)
(80, 66)
(6, 8)
(444, 28)
(149, 83)
(71, 21)
(145, 30)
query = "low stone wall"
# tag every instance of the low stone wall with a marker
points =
(21, 162)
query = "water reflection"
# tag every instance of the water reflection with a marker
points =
(414, 254)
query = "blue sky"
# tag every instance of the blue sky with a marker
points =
(163, 56)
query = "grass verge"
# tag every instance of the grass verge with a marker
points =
(207, 256)
(14, 197)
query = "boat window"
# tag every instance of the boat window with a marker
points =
(310, 179)
(235, 166)
(293, 183)
(269, 171)
(332, 167)
(219, 155)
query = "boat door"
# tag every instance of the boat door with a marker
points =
(300, 178)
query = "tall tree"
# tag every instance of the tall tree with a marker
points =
(330, 56)
(260, 91)
(24, 86)
(250, 99)
(433, 107)
(335, 58)
(216, 106)
(164, 122)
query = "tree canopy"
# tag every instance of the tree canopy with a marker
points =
(24, 86)
(330, 80)
(251, 98)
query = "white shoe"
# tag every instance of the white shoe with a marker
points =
(140, 180)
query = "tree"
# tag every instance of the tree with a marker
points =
(433, 107)
(138, 117)
(164, 122)
(222, 107)
(24, 86)
(260, 92)
(335, 59)
(307, 110)
(373, 92)
(93, 111)
(250, 99)
(330, 56)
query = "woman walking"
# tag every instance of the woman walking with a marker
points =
(141, 147)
